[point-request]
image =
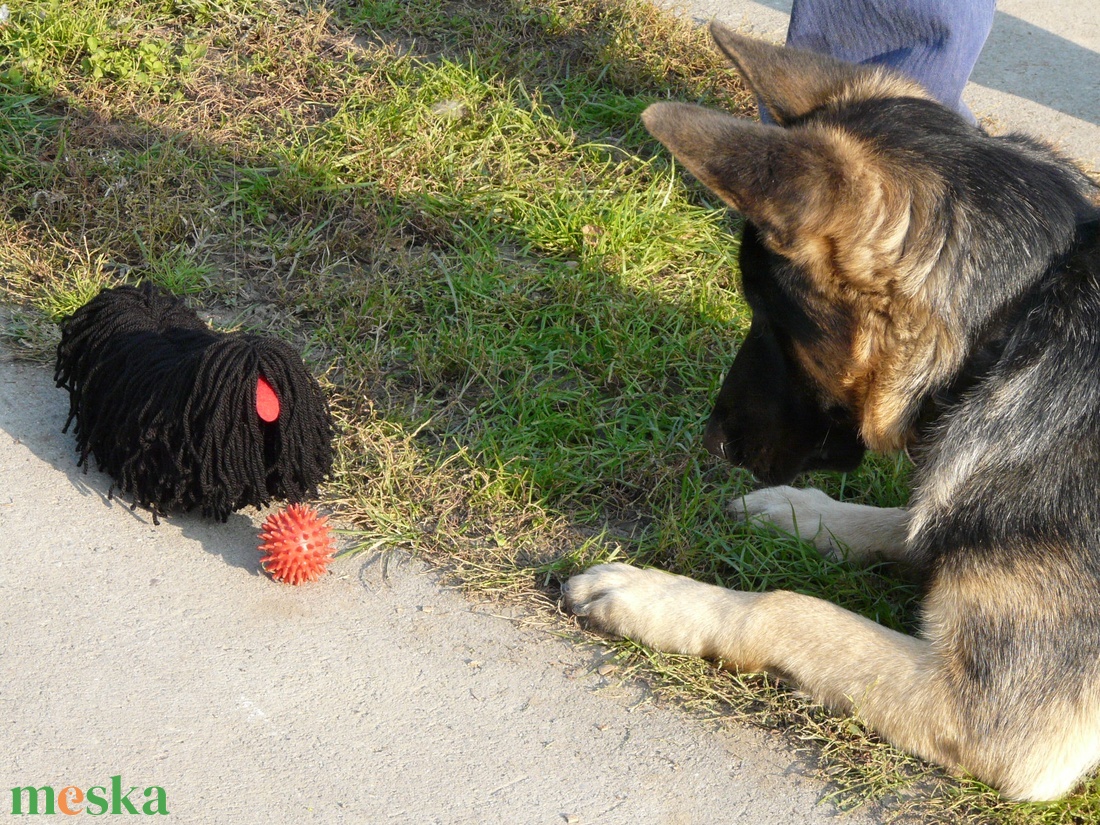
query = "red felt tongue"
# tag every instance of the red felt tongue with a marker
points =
(267, 402)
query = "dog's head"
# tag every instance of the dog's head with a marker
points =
(884, 237)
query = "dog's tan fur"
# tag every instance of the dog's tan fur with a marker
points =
(865, 225)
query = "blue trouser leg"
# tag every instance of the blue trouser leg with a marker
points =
(936, 42)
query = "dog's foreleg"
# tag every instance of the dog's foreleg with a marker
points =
(856, 533)
(841, 659)
(915, 693)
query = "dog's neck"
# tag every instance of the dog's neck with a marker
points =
(990, 345)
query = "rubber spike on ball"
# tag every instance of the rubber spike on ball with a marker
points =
(297, 543)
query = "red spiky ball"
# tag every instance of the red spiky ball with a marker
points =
(297, 543)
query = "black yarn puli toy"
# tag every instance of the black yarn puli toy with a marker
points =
(181, 416)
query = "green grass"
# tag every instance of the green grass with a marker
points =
(520, 306)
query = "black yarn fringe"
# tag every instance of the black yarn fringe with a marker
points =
(167, 407)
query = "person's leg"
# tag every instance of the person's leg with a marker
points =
(936, 42)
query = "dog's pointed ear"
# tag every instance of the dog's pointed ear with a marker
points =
(780, 179)
(792, 82)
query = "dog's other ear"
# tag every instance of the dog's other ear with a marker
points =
(792, 82)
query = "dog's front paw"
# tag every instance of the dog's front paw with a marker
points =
(790, 510)
(612, 597)
(854, 533)
(671, 613)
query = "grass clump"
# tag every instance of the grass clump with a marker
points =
(521, 308)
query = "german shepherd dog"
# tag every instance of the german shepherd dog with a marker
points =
(916, 284)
